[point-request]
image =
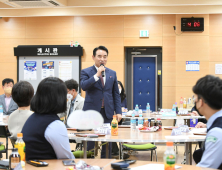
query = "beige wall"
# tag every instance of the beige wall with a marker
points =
(117, 32)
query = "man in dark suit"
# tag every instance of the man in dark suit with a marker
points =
(102, 93)
(6, 100)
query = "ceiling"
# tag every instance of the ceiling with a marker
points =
(26, 8)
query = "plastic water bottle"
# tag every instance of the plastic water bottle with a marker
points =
(20, 144)
(148, 110)
(174, 108)
(141, 112)
(140, 121)
(169, 157)
(1, 113)
(184, 103)
(133, 122)
(137, 110)
(181, 102)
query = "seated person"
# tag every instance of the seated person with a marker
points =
(45, 136)
(208, 97)
(77, 101)
(6, 100)
(22, 93)
(123, 97)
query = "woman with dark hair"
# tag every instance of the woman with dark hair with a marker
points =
(44, 134)
(122, 96)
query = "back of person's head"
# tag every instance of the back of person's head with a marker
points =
(100, 48)
(7, 80)
(210, 89)
(50, 97)
(72, 84)
(22, 93)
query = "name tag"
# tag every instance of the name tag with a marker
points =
(106, 125)
(170, 113)
(176, 132)
(183, 112)
(102, 130)
(184, 128)
(105, 129)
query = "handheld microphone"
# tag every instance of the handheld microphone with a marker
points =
(103, 74)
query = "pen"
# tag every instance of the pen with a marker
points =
(36, 162)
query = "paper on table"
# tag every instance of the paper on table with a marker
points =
(197, 136)
(152, 166)
(149, 167)
(199, 130)
(177, 137)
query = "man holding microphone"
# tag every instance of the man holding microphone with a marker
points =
(102, 93)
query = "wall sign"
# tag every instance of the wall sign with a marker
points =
(48, 50)
(30, 70)
(144, 33)
(192, 65)
(218, 68)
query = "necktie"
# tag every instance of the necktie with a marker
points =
(70, 111)
(101, 78)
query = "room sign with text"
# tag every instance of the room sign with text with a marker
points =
(47, 51)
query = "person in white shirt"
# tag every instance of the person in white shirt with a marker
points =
(22, 93)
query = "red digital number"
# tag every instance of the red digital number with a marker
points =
(189, 24)
(196, 24)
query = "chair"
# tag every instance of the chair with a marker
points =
(140, 147)
(13, 140)
(79, 154)
(3, 134)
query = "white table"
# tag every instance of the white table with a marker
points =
(127, 135)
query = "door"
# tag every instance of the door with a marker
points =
(144, 81)
(145, 55)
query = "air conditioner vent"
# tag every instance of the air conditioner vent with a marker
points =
(33, 3)
(54, 3)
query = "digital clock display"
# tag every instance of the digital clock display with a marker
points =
(192, 24)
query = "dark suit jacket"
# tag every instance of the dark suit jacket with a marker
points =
(11, 108)
(95, 92)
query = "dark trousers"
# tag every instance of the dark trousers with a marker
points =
(91, 145)
(197, 155)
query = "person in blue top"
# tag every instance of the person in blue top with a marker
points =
(102, 93)
(45, 136)
(208, 97)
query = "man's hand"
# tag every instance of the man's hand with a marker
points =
(118, 117)
(194, 113)
(100, 69)
(200, 125)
